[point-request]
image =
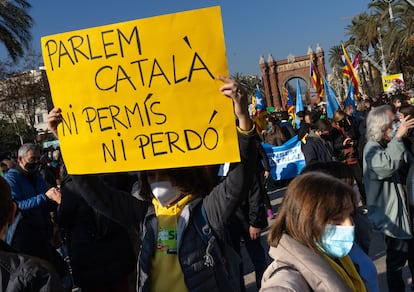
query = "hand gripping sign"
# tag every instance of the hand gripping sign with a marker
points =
(142, 94)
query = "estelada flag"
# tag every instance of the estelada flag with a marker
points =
(289, 105)
(316, 79)
(350, 72)
(260, 111)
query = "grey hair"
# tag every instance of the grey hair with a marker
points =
(26, 148)
(378, 122)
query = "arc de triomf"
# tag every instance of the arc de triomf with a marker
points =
(276, 74)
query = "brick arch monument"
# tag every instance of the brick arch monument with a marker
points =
(275, 74)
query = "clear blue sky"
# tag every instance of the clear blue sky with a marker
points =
(251, 28)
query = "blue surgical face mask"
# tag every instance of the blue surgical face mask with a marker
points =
(337, 240)
(395, 127)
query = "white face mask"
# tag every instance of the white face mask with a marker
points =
(164, 192)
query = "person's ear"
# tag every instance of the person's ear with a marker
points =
(12, 213)
(19, 160)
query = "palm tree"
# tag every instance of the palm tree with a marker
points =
(15, 25)
(335, 54)
(398, 35)
(250, 82)
(401, 31)
(335, 62)
(363, 34)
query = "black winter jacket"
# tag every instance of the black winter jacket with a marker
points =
(219, 206)
(262, 159)
(316, 150)
(100, 250)
(20, 272)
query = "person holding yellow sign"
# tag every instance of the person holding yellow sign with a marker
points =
(183, 220)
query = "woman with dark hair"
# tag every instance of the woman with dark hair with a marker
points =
(274, 135)
(311, 237)
(397, 101)
(176, 254)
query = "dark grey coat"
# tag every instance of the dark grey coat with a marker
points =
(26, 273)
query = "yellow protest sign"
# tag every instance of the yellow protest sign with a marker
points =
(393, 82)
(142, 94)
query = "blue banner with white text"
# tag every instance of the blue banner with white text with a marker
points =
(286, 161)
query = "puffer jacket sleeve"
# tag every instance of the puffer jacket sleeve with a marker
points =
(28, 273)
(225, 197)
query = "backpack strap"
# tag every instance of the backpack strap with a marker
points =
(201, 220)
(204, 230)
(217, 254)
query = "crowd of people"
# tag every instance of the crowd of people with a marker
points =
(181, 229)
(373, 139)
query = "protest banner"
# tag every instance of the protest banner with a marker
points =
(142, 94)
(286, 161)
(393, 82)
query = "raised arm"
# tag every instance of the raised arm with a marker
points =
(225, 197)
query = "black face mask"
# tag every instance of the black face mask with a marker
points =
(325, 136)
(31, 167)
(342, 123)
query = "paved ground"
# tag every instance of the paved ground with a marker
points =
(377, 253)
